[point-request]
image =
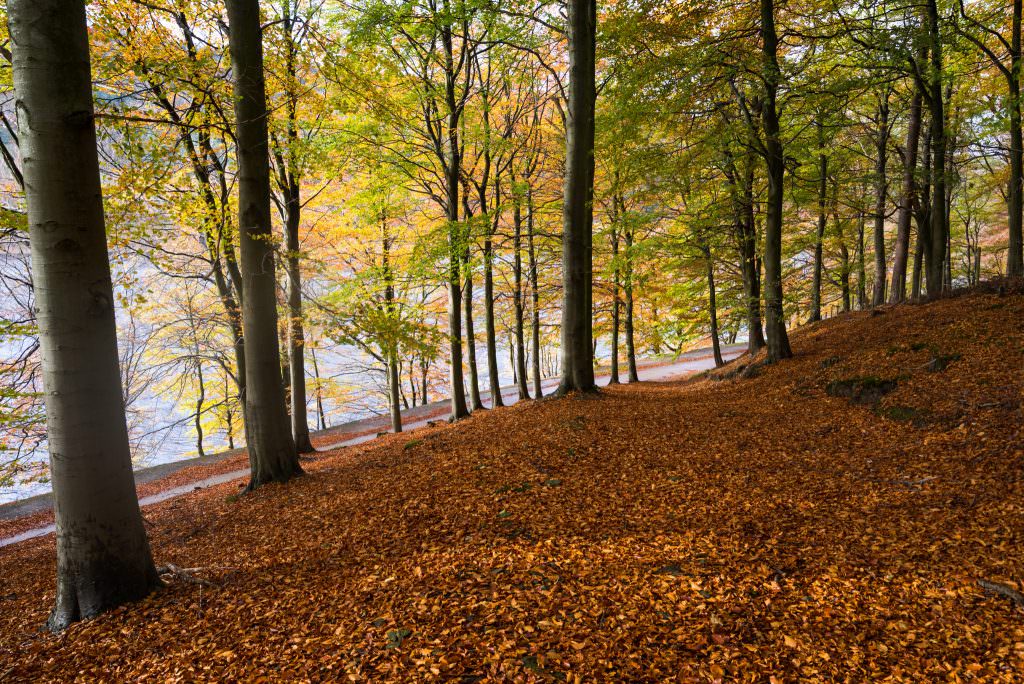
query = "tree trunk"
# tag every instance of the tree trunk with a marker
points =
(614, 372)
(452, 169)
(319, 391)
(775, 321)
(844, 263)
(628, 292)
(862, 278)
(296, 330)
(288, 176)
(494, 380)
(577, 213)
(272, 453)
(822, 222)
(391, 351)
(935, 251)
(881, 192)
(103, 556)
(534, 295)
(750, 265)
(517, 300)
(1015, 191)
(200, 399)
(467, 302)
(713, 307)
(898, 288)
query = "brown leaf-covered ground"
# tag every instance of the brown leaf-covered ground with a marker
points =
(746, 529)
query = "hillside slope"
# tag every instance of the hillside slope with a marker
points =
(827, 518)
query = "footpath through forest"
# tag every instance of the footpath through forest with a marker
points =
(852, 514)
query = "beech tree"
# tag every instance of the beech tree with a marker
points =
(578, 210)
(103, 556)
(272, 453)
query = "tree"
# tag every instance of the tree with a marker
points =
(103, 556)
(775, 322)
(272, 453)
(984, 32)
(577, 211)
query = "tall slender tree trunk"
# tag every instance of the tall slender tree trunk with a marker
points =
(862, 277)
(822, 222)
(103, 556)
(1015, 191)
(749, 262)
(935, 251)
(898, 288)
(775, 321)
(614, 372)
(319, 390)
(200, 400)
(425, 381)
(391, 352)
(881, 194)
(628, 292)
(494, 380)
(534, 295)
(577, 212)
(296, 329)
(923, 220)
(474, 374)
(517, 300)
(844, 260)
(288, 180)
(272, 453)
(452, 169)
(713, 307)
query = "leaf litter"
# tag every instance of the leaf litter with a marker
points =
(752, 529)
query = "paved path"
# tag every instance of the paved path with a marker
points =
(366, 430)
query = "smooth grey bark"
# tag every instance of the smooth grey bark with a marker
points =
(103, 556)
(822, 222)
(713, 306)
(908, 193)
(627, 287)
(881, 193)
(200, 399)
(452, 162)
(296, 329)
(391, 351)
(319, 390)
(475, 400)
(938, 229)
(493, 377)
(467, 302)
(613, 374)
(288, 172)
(577, 211)
(1015, 191)
(775, 322)
(531, 253)
(517, 299)
(862, 295)
(742, 189)
(272, 453)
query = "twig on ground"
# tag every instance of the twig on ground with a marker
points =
(185, 575)
(1003, 590)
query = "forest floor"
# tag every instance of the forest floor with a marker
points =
(34, 516)
(825, 518)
